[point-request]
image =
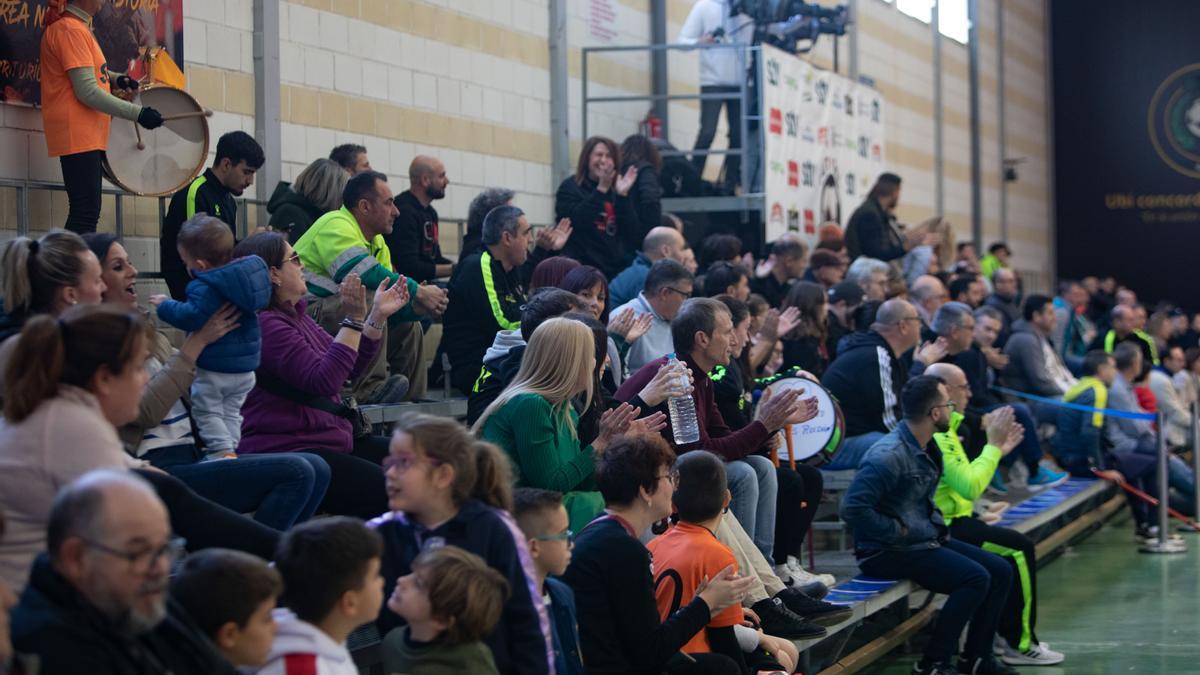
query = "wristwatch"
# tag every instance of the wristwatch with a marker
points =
(374, 325)
(352, 324)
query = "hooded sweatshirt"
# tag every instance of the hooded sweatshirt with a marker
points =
(301, 648)
(291, 212)
(245, 282)
(501, 362)
(866, 379)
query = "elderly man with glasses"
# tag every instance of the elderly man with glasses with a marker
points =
(97, 600)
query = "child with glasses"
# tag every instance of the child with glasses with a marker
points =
(447, 488)
(450, 599)
(225, 369)
(543, 518)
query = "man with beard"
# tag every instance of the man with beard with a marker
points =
(872, 231)
(97, 600)
(416, 252)
(900, 534)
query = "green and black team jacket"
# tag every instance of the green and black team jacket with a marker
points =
(205, 194)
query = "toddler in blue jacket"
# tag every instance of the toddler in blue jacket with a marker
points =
(225, 369)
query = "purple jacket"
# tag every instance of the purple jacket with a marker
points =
(299, 352)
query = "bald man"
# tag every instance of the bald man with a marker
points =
(868, 374)
(416, 251)
(97, 599)
(927, 295)
(660, 243)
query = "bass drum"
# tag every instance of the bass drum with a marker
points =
(816, 441)
(171, 156)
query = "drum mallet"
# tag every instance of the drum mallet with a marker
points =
(183, 115)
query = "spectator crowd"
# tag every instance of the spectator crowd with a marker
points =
(219, 504)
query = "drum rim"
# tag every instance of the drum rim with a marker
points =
(111, 175)
(826, 453)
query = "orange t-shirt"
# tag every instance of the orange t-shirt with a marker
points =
(682, 558)
(71, 127)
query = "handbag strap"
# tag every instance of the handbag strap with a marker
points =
(282, 389)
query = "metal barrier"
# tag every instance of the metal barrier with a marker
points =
(1165, 542)
(749, 200)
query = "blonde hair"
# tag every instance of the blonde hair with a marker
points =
(33, 270)
(463, 592)
(481, 470)
(552, 367)
(322, 183)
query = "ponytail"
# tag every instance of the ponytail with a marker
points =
(32, 270)
(35, 367)
(69, 350)
(481, 470)
(493, 476)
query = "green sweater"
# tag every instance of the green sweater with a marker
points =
(402, 656)
(962, 480)
(546, 454)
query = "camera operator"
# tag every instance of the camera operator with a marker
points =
(722, 71)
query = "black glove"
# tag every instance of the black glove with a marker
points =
(150, 118)
(126, 82)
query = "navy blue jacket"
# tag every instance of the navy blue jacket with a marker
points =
(567, 658)
(1077, 440)
(245, 282)
(890, 503)
(631, 281)
(521, 641)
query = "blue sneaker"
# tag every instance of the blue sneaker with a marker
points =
(1046, 478)
(997, 485)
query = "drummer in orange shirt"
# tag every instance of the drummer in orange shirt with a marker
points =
(78, 106)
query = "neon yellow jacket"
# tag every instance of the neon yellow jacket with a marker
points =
(335, 247)
(962, 480)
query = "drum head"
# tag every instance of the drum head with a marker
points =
(821, 437)
(174, 153)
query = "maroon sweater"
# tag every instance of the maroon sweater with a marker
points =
(715, 435)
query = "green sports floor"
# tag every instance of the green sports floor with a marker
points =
(1113, 610)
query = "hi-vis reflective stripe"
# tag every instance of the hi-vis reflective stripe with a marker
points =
(191, 195)
(318, 285)
(489, 287)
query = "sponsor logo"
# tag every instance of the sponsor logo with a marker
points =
(776, 121)
(1174, 120)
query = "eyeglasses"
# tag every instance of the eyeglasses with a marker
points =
(672, 476)
(294, 258)
(567, 536)
(676, 290)
(949, 405)
(141, 562)
(405, 462)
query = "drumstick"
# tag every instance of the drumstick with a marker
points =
(138, 130)
(196, 113)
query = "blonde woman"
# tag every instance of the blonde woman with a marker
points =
(534, 421)
(315, 192)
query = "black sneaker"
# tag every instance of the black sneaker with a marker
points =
(816, 611)
(779, 621)
(942, 668)
(984, 665)
(815, 590)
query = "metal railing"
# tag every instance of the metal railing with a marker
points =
(750, 199)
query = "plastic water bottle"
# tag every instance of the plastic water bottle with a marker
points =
(684, 426)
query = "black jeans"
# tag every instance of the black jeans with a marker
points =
(206, 524)
(1019, 619)
(710, 114)
(804, 485)
(976, 581)
(356, 484)
(81, 176)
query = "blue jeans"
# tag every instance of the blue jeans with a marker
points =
(754, 488)
(1179, 475)
(281, 489)
(976, 582)
(853, 450)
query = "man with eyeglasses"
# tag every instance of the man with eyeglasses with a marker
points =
(97, 600)
(899, 533)
(668, 284)
(868, 374)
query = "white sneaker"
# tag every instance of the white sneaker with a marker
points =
(802, 577)
(999, 644)
(1036, 655)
